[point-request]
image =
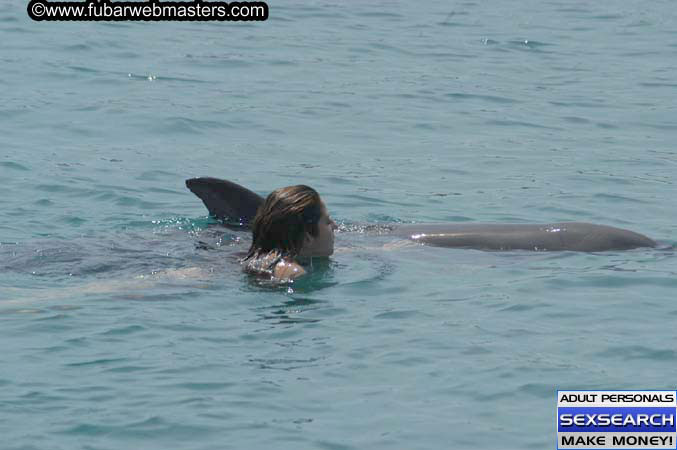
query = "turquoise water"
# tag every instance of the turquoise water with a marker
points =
(125, 322)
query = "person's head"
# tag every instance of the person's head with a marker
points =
(293, 220)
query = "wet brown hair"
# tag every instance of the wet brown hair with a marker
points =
(283, 219)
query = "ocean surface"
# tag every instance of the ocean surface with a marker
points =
(125, 321)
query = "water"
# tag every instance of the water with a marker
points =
(126, 323)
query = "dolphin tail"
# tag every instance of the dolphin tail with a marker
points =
(235, 205)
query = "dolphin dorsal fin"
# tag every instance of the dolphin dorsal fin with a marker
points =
(225, 200)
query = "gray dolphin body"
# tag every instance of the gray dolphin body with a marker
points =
(237, 205)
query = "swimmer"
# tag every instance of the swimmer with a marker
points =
(290, 228)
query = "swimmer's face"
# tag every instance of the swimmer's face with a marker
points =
(323, 243)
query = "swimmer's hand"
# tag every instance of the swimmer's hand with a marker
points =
(288, 270)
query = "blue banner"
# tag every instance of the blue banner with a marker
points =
(616, 419)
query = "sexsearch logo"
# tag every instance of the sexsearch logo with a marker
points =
(616, 419)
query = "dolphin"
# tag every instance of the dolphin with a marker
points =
(236, 207)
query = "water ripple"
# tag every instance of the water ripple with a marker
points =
(486, 98)
(155, 426)
(14, 166)
(638, 352)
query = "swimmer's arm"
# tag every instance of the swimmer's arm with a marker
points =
(388, 246)
(288, 270)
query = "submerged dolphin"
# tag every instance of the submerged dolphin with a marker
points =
(237, 205)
